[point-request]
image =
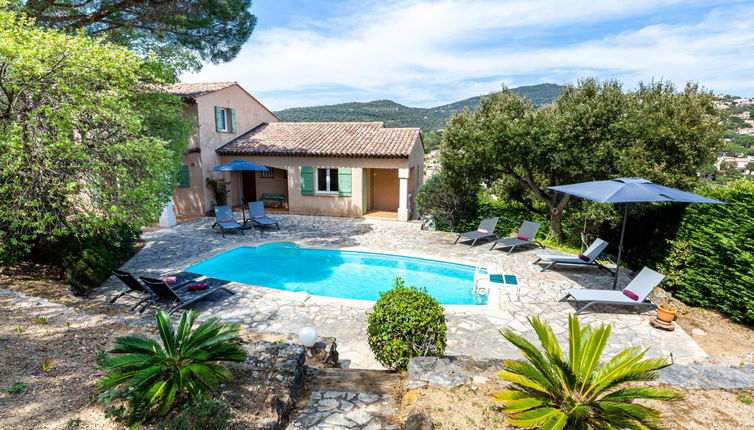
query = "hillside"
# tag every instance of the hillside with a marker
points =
(396, 115)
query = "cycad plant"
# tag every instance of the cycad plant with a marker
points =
(552, 392)
(185, 363)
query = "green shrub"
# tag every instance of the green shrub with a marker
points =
(86, 263)
(406, 322)
(711, 259)
(204, 414)
(185, 363)
(449, 204)
(579, 391)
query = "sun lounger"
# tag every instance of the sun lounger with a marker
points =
(589, 257)
(224, 219)
(135, 289)
(486, 230)
(258, 216)
(179, 297)
(638, 290)
(525, 236)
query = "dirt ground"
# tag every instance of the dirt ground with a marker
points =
(723, 337)
(64, 395)
(470, 407)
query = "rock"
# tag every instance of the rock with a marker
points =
(698, 332)
(728, 378)
(677, 374)
(449, 371)
(418, 420)
(277, 369)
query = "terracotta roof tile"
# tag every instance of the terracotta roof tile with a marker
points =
(196, 89)
(324, 139)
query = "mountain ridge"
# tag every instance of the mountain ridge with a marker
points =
(394, 114)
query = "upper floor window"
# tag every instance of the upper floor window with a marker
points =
(327, 181)
(225, 119)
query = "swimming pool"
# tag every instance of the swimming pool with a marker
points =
(342, 274)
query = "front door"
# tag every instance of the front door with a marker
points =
(249, 179)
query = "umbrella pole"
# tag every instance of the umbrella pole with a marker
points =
(620, 247)
(243, 211)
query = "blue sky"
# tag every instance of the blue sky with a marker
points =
(427, 53)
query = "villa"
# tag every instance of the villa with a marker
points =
(315, 168)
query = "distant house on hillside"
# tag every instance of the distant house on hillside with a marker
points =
(315, 168)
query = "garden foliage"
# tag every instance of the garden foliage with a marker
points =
(447, 208)
(551, 390)
(154, 374)
(181, 32)
(406, 322)
(711, 259)
(204, 414)
(592, 131)
(90, 145)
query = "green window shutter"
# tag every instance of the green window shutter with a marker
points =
(344, 182)
(233, 121)
(307, 180)
(218, 118)
(184, 179)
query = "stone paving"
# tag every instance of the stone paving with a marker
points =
(335, 411)
(472, 330)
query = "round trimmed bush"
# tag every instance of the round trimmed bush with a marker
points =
(406, 322)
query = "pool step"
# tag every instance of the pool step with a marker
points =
(366, 381)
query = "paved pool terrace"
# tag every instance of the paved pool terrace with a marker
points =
(472, 330)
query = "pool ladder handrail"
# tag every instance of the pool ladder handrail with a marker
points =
(481, 265)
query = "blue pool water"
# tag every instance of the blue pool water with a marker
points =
(343, 274)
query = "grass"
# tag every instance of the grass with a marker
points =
(745, 399)
(17, 387)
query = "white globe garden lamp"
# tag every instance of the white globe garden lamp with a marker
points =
(307, 336)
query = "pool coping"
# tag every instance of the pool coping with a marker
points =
(493, 296)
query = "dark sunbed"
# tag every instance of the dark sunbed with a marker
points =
(525, 236)
(136, 289)
(486, 230)
(180, 297)
(224, 219)
(259, 217)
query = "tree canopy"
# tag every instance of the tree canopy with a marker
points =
(89, 143)
(181, 32)
(593, 131)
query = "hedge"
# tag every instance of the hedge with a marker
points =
(711, 260)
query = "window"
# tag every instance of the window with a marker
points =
(222, 124)
(327, 181)
(225, 120)
(269, 173)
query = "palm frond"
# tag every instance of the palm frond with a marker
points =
(534, 417)
(184, 326)
(135, 343)
(590, 356)
(128, 359)
(535, 357)
(165, 328)
(552, 393)
(628, 394)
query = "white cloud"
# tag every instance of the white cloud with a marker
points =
(427, 53)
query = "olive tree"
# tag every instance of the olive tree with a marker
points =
(592, 131)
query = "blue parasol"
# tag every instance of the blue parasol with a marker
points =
(629, 190)
(240, 165)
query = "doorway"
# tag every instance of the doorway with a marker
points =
(249, 179)
(384, 187)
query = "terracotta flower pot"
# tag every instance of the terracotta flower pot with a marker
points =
(666, 313)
